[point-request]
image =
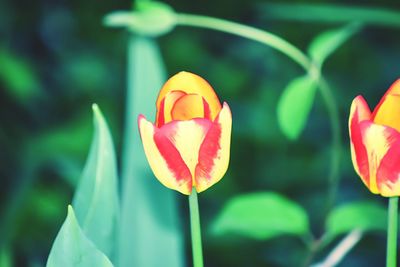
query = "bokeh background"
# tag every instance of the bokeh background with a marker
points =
(57, 58)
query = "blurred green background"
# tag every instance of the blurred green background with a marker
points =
(56, 59)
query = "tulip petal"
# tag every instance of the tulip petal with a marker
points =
(186, 137)
(388, 174)
(166, 105)
(378, 140)
(164, 159)
(214, 151)
(188, 107)
(191, 84)
(359, 112)
(387, 112)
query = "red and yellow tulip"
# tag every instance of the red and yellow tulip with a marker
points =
(189, 144)
(375, 142)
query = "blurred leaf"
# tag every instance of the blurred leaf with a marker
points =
(64, 146)
(46, 204)
(19, 77)
(295, 105)
(5, 258)
(86, 72)
(72, 248)
(366, 216)
(96, 198)
(71, 138)
(332, 13)
(149, 210)
(262, 216)
(149, 18)
(326, 43)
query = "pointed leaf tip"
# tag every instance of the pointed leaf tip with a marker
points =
(96, 198)
(70, 211)
(95, 107)
(72, 248)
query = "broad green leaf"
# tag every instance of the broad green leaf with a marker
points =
(295, 105)
(325, 13)
(326, 43)
(18, 76)
(149, 19)
(150, 220)
(366, 216)
(73, 249)
(262, 216)
(96, 198)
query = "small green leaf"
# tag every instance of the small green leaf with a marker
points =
(366, 216)
(18, 76)
(96, 198)
(72, 249)
(295, 105)
(262, 216)
(149, 19)
(327, 42)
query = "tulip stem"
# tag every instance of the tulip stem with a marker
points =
(195, 229)
(391, 252)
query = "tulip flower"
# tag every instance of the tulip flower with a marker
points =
(375, 142)
(188, 146)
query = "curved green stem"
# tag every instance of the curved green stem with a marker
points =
(296, 55)
(195, 229)
(248, 32)
(330, 103)
(391, 253)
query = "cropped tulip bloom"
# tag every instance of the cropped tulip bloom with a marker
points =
(189, 144)
(375, 142)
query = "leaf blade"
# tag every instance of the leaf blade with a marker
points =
(363, 215)
(294, 106)
(279, 216)
(142, 194)
(96, 197)
(327, 42)
(72, 248)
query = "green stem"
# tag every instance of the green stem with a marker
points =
(391, 252)
(296, 55)
(331, 106)
(195, 229)
(248, 32)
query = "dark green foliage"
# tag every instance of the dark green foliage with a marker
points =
(56, 59)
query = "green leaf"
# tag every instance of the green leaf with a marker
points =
(262, 216)
(18, 76)
(149, 210)
(327, 42)
(5, 257)
(325, 13)
(96, 198)
(149, 19)
(366, 216)
(295, 105)
(73, 249)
